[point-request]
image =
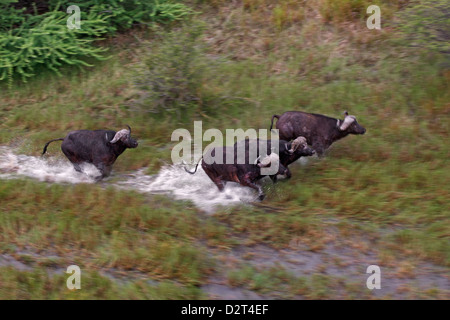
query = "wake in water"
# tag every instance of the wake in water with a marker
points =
(198, 188)
(171, 180)
(43, 169)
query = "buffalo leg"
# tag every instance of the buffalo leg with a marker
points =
(320, 151)
(75, 162)
(274, 178)
(77, 167)
(214, 178)
(247, 182)
(104, 170)
(219, 183)
(288, 173)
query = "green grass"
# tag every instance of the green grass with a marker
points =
(282, 284)
(106, 228)
(391, 184)
(37, 284)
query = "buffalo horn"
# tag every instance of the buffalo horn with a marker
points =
(347, 122)
(119, 135)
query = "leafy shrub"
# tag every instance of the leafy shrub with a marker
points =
(34, 34)
(173, 72)
(10, 16)
(123, 14)
(48, 44)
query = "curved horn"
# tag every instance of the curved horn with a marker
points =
(347, 122)
(287, 148)
(119, 135)
(129, 129)
(299, 141)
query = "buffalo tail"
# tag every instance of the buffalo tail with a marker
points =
(46, 145)
(192, 172)
(274, 116)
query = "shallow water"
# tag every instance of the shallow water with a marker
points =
(45, 168)
(175, 181)
(171, 180)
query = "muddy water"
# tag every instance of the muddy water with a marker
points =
(346, 266)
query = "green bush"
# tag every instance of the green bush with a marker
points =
(35, 35)
(174, 70)
(48, 44)
(10, 16)
(123, 14)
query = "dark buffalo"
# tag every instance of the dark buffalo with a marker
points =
(99, 147)
(248, 161)
(288, 151)
(245, 174)
(320, 131)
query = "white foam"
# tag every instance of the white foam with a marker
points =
(43, 168)
(171, 180)
(198, 188)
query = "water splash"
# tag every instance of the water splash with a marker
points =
(43, 169)
(198, 188)
(171, 180)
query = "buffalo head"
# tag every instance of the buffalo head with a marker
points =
(124, 136)
(350, 125)
(300, 146)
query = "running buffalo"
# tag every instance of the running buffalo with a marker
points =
(320, 131)
(247, 160)
(99, 147)
(245, 174)
(289, 151)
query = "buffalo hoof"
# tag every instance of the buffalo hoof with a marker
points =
(98, 178)
(261, 197)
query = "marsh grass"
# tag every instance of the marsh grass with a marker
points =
(105, 228)
(38, 284)
(392, 183)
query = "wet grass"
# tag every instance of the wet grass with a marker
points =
(106, 228)
(278, 283)
(391, 184)
(37, 284)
